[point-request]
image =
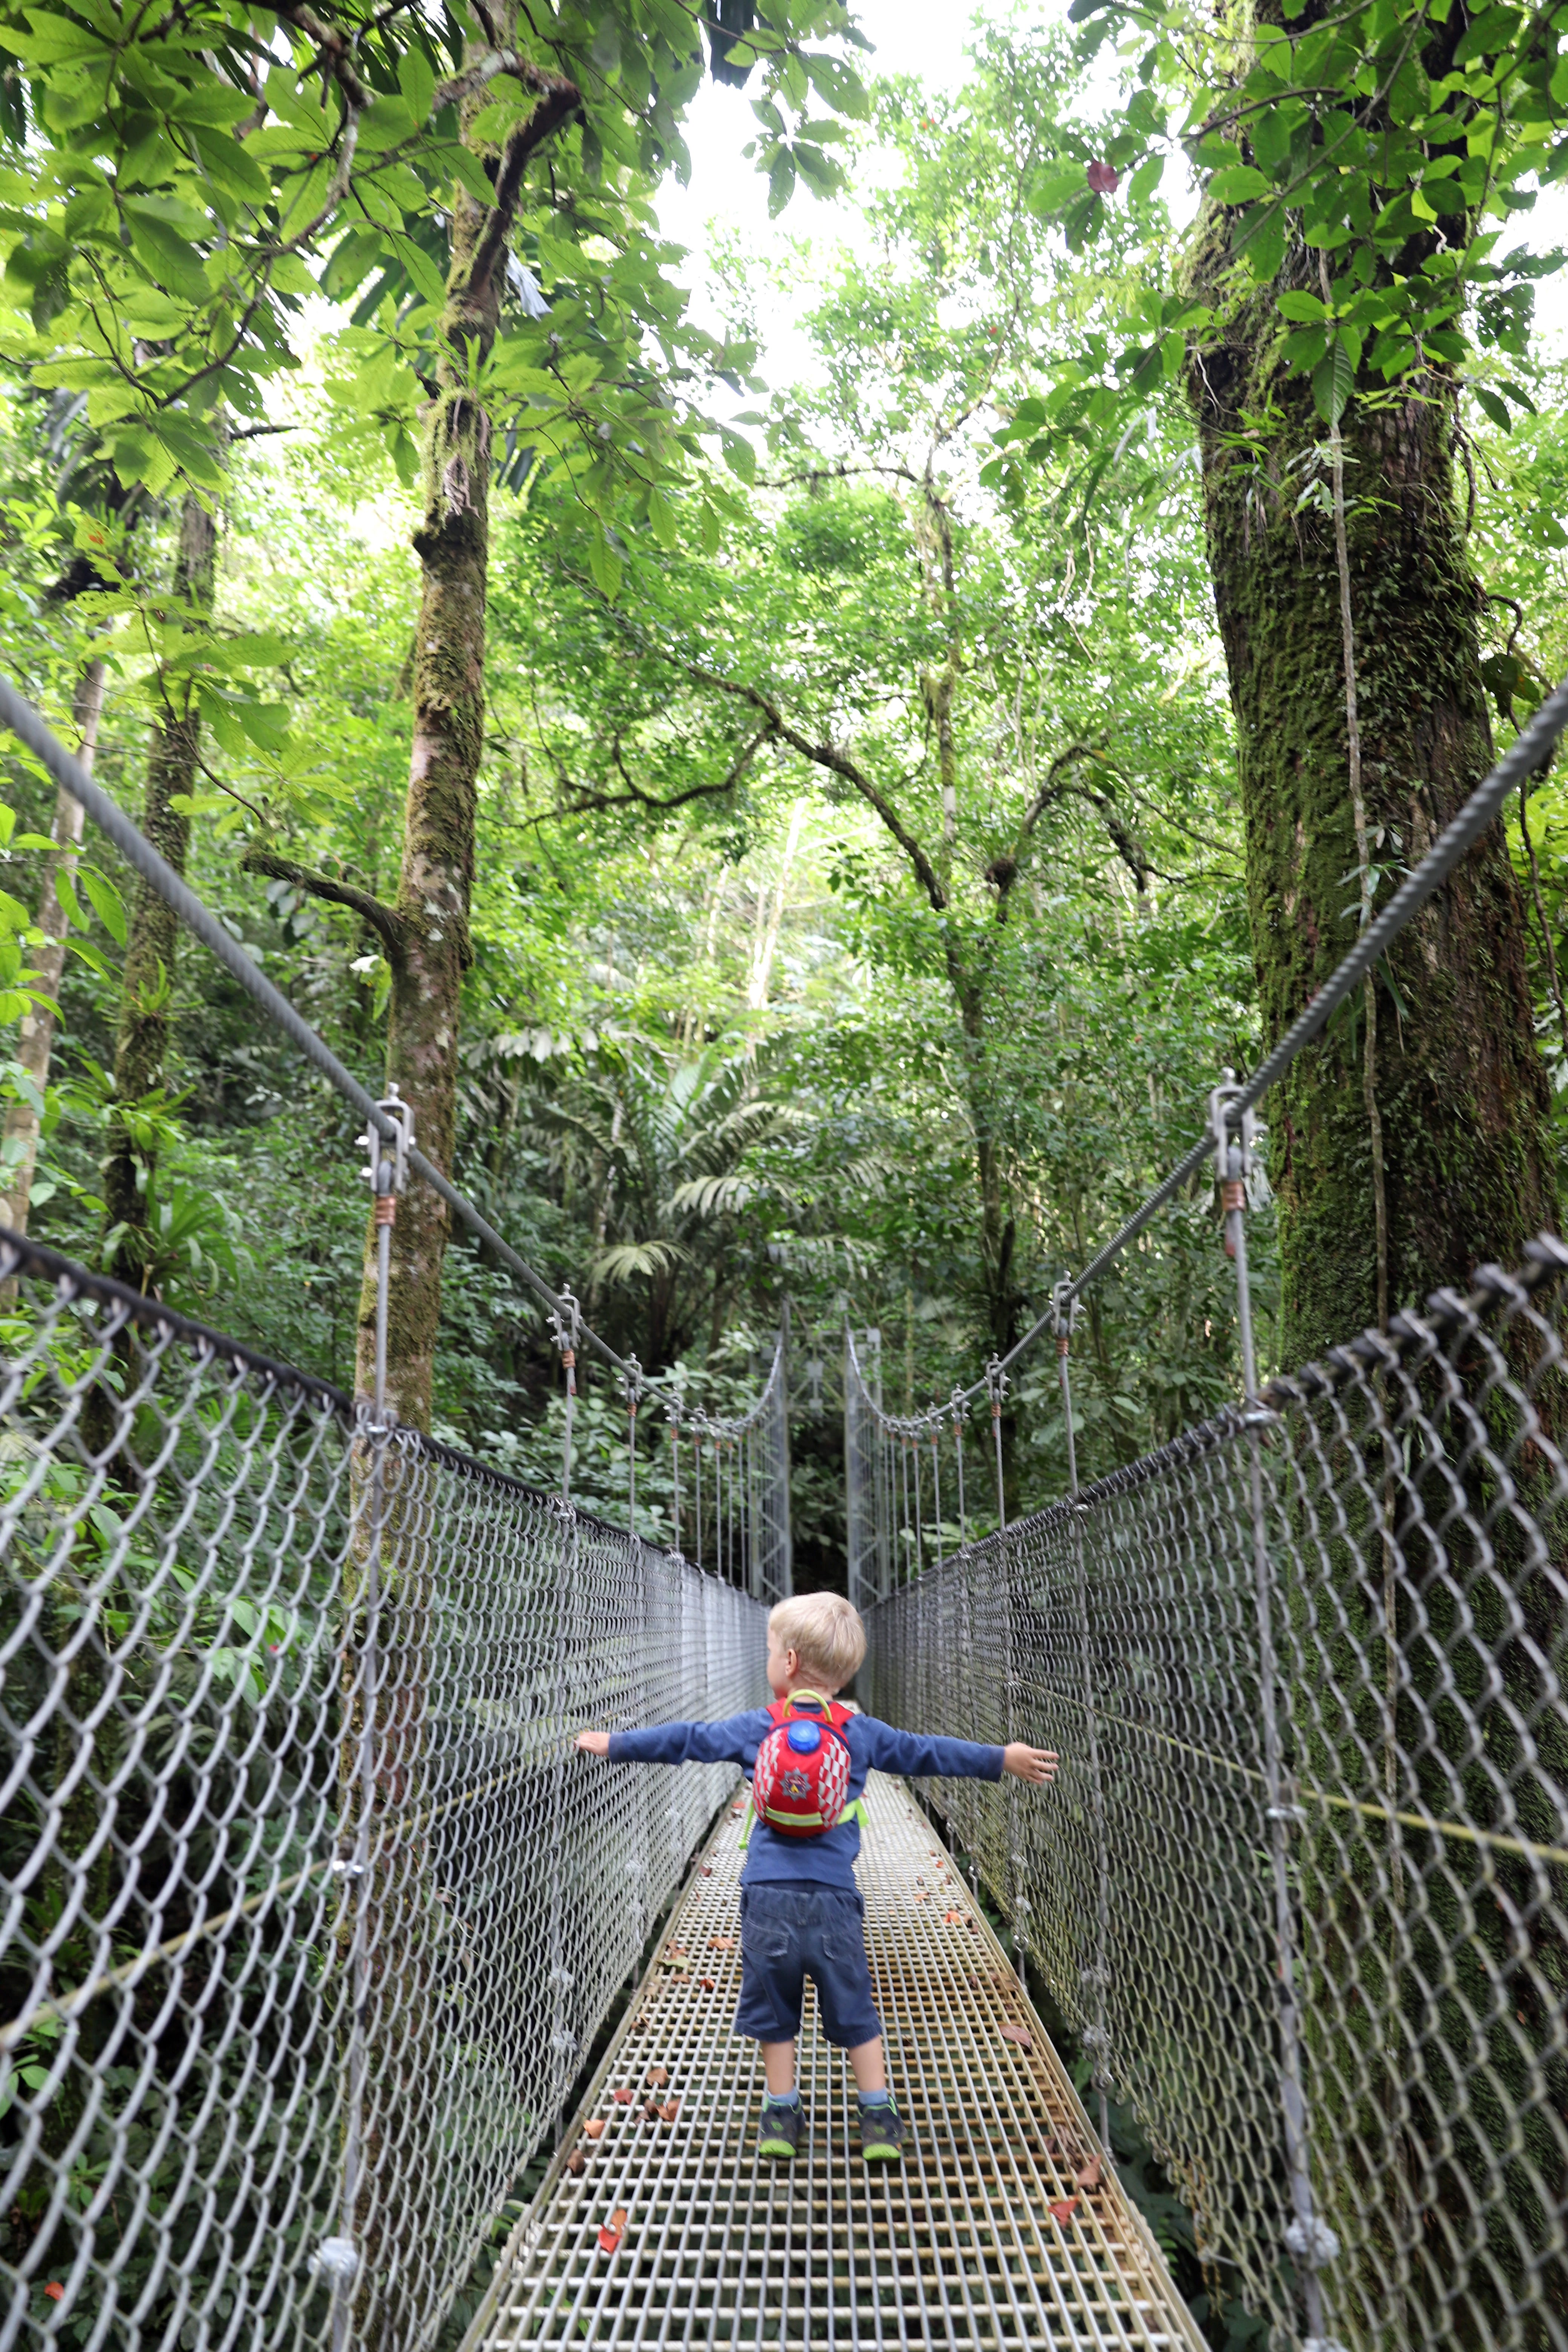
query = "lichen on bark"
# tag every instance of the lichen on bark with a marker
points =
(1461, 1089)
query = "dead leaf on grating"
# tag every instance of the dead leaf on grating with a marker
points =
(721, 1943)
(577, 2161)
(622, 2095)
(708, 1985)
(669, 2110)
(594, 2127)
(1087, 2175)
(1063, 2211)
(612, 2232)
(658, 2076)
(1025, 2039)
(651, 2111)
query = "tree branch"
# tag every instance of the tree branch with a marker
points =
(837, 763)
(384, 921)
(559, 101)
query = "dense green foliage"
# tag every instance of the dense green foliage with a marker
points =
(858, 913)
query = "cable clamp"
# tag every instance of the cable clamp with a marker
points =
(386, 1159)
(349, 1870)
(336, 2260)
(1260, 1416)
(1311, 2242)
(1293, 1814)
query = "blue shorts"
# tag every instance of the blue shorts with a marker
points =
(790, 1932)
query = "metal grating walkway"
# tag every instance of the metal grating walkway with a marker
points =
(959, 2247)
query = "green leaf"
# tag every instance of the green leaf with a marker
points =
(1489, 402)
(417, 80)
(65, 891)
(1239, 183)
(1146, 178)
(604, 563)
(1297, 303)
(1333, 380)
(165, 256)
(426, 278)
(739, 455)
(781, 182)
(661, 518)
(107, 903)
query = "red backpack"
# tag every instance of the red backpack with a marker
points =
(801, 1777)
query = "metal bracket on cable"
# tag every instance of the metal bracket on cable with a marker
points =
(386, 1174)
(1233, 1153)
(632, 1388)
(566, 1325)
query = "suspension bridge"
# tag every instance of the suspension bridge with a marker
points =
(316, 1936)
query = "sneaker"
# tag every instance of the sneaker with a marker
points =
(781, 2131)
(882, 2135)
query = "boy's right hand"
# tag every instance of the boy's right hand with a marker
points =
(593, 1743)
(1027, 1763)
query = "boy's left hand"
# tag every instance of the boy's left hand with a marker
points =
(593, 1743)
(1027, 1763)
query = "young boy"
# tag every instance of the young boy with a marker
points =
(801, 1911)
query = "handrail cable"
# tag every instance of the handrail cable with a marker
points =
(17, 714)
(1525, 754)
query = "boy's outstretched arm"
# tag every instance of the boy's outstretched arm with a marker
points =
(732, 1741)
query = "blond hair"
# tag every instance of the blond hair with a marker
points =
(825, 1633)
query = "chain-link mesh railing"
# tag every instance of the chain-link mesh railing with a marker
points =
(1302, 1888)
(311, 1913)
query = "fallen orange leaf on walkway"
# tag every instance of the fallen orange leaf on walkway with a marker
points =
(1064, 2210)
(615, 2230)
(595, 2126)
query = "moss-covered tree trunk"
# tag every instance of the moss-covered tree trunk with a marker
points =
(1460, 1087)
(426, 937)
(1387, 1691)
(141, 1031)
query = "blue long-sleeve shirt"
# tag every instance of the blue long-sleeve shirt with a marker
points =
(828, 1860)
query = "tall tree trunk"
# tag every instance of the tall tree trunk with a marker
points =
(1459, 1095)
(428, 942)
(1461, 1092)
(141, 1033)
(37, 1045)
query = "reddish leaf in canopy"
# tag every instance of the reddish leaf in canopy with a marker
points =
(612, 2232)
(54, 2291)
(1103, 178)
(1064, 2210)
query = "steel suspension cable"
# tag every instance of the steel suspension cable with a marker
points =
(1525, 755)
(24, 722)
